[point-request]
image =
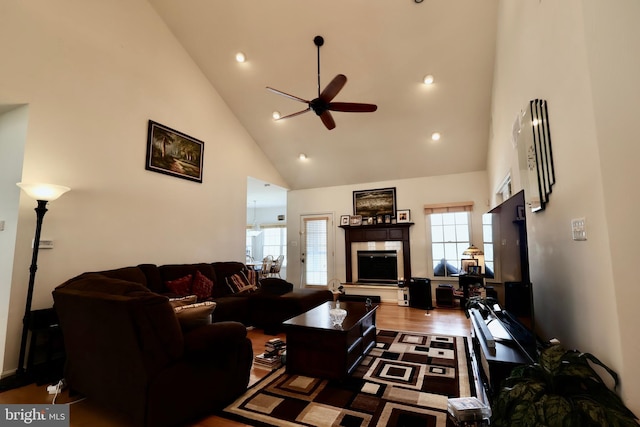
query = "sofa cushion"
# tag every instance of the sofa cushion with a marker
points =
(193, 316)
(176, 271)
(223, 270)
(130, 274)
(180, 286)
(180, 301)
(239, 283)
(201, 286)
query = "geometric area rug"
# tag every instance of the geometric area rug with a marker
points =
(405, 380)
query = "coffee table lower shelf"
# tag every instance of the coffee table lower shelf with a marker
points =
(318, 349)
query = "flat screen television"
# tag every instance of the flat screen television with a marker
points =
(509, 227)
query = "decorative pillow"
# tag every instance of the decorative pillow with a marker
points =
(252, 276)
(202, 286)
(181, 286)
(195, 315)
(179, 302)
(239, 283)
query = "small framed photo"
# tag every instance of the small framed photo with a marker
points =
(379, 219)
(475, 269)
(355, 220)
(370, 220)
(344, 220)
(387, 219)
(465, 265)
(403, 215)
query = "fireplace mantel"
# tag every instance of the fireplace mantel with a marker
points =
(378, 233)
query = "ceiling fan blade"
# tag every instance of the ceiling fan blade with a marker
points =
(279, 92)
(294, 114)
(352, 107)
(327, 119)
(333, 88)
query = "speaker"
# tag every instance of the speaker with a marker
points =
(518, 298)
(420, 293)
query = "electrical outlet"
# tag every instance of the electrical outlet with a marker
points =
(579, 229)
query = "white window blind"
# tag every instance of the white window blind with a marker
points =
(316, 245)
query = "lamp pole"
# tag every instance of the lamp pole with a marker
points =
(42, 193)
(41, 209)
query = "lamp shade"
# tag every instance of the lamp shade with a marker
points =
(47, 192)
(473, 251)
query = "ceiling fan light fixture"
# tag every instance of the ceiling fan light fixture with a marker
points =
(241, 57)
(302, 156)
(276, 115)
(435, 136)
(428, 79)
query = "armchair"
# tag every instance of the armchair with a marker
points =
(126, 350)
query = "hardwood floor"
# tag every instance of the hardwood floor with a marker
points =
(85, 413)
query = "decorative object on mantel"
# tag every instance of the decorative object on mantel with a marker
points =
(173, 153)
(535, 156)
(355, 220)
(371, 203)
(403, 215)
(344, 220)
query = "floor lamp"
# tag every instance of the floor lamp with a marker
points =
(42, 193)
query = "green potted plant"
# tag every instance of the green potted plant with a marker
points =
(561, 389)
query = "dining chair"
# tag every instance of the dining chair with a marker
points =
(267, 262)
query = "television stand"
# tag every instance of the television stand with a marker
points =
(497, 348)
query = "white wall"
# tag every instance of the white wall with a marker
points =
(573, 53)
(13, 133)
(93, 73)
(411, 194)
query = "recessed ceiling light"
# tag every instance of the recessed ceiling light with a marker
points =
(276, 115)
(428, 79)
(435, 136)
(302, 156)
(240, 57)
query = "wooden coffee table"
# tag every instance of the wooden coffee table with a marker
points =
(316, 348)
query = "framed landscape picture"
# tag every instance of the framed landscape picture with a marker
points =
(371, 203)
(173, 153)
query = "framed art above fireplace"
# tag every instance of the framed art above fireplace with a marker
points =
(371, 203)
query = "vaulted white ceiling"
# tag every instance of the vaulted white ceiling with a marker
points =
(384, 47)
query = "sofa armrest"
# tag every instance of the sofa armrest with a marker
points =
(214, 338)
(275, 286)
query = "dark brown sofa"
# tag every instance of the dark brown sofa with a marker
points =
(125, 347)
(126, 350)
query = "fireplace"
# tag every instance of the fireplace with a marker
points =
(377, 266)
(377, 237)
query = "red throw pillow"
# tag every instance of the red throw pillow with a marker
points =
(181, 286)
(201, 286)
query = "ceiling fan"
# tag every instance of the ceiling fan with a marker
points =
(322, 105)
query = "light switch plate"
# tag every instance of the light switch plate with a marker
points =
(2, 225)
(579, 229)
(44, 244)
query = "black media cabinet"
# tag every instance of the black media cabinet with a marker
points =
(500, 343)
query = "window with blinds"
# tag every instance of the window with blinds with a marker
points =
(450, 235)
(316, 254)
